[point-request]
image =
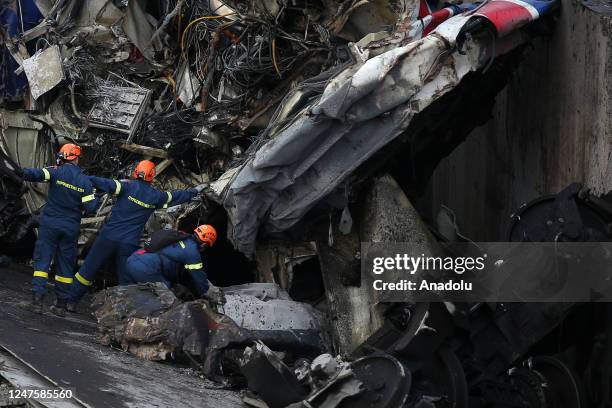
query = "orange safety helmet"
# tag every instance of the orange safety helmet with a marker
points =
(69, 151)
(145, 171)
(207, 234)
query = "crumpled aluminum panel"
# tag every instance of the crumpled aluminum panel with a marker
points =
(251, 313)
(44, 71)
(309, 153)
(360, 111)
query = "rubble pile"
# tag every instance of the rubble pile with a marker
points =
(149, 321)
(291, 110)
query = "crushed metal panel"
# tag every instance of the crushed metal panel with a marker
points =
(355, 116)
(252, 313)
(272, 379)
(98, 12)
(44, 71)
(276, 260)
(368, 17)
(26, 147)
(363, 108)
(119, 108)
(44, 6)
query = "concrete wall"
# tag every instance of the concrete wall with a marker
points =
(552, 125)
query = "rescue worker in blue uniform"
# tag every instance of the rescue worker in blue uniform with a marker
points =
(170, 263)
(70, 192)
(120, 236)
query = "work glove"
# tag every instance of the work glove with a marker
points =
(215, 296)
(200, 187)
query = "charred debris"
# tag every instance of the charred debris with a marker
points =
(310, 120)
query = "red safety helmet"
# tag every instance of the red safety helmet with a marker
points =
(207, 234)
(69, 151)
(145, 171)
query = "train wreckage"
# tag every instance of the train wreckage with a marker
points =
(298, 115)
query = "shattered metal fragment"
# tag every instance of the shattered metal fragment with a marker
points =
(269, 377)
(44, 71)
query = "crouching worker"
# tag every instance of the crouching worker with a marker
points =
(70, 192)
(169, 256)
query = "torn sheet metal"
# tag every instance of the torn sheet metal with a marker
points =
(253, 313)
(361, 109)
(217, 187)
(355, 116)
(277, 260)
(44, 71)
(13, 23)
(26, 143)
(272, 379)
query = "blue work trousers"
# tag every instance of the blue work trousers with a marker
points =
(143, 268)
(59, 242)
(102, 251)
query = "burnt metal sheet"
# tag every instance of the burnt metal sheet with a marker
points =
(308, 151)
(23, 141)
(44, 71)
(272, 379)
(252, 313)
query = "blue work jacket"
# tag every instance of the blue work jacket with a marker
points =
(70, 192)
(136, 201)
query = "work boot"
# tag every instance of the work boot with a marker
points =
(59, 307)
(71, 307)
(37, 303)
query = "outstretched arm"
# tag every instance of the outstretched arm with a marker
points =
(177, 197)
(107, 185)
(39, 175)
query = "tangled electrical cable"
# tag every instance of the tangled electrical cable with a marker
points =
(239, 56)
